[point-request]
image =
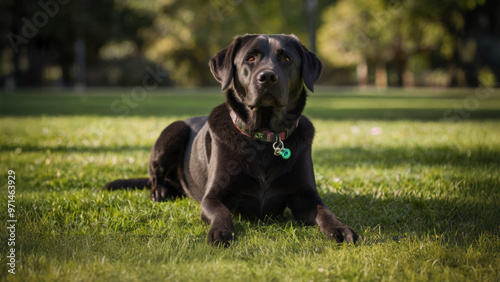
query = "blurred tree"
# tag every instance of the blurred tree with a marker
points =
(377, 34)
(48, 33)
(186, 34)
(180, 35)
(372, 34)
(458, 46)
(117, 39)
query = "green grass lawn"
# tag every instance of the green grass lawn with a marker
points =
(421, 189)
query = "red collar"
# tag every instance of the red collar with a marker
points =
(263, 135)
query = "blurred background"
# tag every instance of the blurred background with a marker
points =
(404, 43)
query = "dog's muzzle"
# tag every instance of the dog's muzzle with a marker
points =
(267, 77)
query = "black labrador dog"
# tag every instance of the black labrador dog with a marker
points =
(252, 154)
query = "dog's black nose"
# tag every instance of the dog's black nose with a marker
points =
(267, 76)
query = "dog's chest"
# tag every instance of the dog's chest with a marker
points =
(265, 169)
(262, 195)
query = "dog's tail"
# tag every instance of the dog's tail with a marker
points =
(135, 183)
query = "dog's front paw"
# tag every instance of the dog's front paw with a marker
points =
(220, 237)
(159, 194)
(342, 233)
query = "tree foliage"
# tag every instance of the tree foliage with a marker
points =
(186, 34)
(403, 35)
(122, 37)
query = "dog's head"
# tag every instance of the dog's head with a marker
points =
(265, 71)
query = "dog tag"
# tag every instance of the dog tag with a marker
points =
(286, 153)
(280, 150)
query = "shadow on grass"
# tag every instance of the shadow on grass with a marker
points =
(392, 219)
(399, 114)
(200, 105)
(107, 105)
(75, 149)
(397, 156)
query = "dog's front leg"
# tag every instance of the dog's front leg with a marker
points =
(332, 227)
(312, 211)
(215, 213)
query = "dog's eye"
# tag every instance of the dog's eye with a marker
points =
(251, 59)
(287, 59)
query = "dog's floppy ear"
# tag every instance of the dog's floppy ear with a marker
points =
(311, 67)
(222, 64)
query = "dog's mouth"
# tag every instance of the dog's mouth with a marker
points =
(265, 101)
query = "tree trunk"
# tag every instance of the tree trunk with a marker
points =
(33, 76)
(400, 71)
(362, 73)
(12, 79)
(408, 79)
(66, 72)
(312, 15)
(455, 65)
(381, 75)
(80, 70)
(79, 48)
